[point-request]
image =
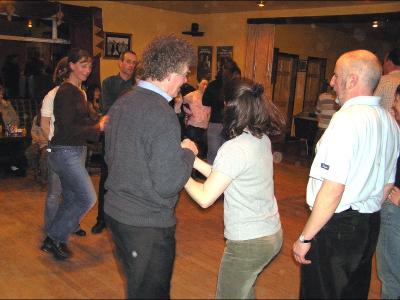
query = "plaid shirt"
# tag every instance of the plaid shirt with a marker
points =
(386, 89)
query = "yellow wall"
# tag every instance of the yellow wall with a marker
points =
(221, 29)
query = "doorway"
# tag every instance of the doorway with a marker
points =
(284, 86)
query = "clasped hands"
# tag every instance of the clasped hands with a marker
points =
(189, 144)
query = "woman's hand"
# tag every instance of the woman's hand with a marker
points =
(103, 122)
(394, 196)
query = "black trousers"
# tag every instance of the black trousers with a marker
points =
(199, 136)
(102, 189)
(341, 255)
(147, 255)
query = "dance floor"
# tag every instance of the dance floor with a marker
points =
(93, 272)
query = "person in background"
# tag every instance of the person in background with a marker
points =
(35, 153)
(147, 169)
(388, 248)
(243, 171)
(112, 88)
(214, 98)
(325, 108)
(353, 171)
(11, 73)
(94, 97)
(198, 116)
(54, 190)
(67, 153)
(7, 111)
(390, 79)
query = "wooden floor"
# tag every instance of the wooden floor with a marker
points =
(27, 272)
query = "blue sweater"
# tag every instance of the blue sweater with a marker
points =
(147, 167)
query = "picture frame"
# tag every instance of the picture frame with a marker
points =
(116, 43)
(223, 52)
(204, 62)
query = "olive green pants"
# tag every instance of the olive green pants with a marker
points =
(242, 262)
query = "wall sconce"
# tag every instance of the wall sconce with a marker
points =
(375, 24)
(261, 3)
(30, 23)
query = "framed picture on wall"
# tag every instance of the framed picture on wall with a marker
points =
(204, 62)
(116, 43)
(223, 52)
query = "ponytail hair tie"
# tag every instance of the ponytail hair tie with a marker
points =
(257, 90)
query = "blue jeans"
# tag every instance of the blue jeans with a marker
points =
(54, 191)
(214, 140)
(242, 262)
(388, 251)
(77, 190)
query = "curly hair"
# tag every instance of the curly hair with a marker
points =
(247, 108)
(61, 72)
(166, 55)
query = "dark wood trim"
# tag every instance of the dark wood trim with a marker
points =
(326, 19)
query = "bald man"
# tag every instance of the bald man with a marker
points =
(353, 170)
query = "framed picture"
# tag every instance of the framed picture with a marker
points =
(116, 43)
(204, 62)
(223, 52)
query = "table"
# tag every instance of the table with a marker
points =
(12, 153)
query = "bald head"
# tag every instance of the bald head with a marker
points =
(357, 73)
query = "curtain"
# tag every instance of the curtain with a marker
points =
(259, 55)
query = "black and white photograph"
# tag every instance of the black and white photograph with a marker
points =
(204, 62)
(116, 43)
(223, 52)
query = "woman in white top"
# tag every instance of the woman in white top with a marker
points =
(243, 171)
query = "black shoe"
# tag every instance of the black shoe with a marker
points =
(80, 232)
(98, 227)
(59, 250)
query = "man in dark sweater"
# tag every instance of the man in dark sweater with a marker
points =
(148, 166)
(113, 87)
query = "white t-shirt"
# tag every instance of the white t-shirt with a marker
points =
(250, 208)
(47, 109)
(359, 149)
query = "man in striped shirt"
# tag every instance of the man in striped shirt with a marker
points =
(390, 79)
(326, 107)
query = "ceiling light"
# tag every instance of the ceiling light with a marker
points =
(261, 3)
(375, 24)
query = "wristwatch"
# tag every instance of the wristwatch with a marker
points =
(303, 240)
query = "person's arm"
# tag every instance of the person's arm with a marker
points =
(45, 125)
(328, 199)
(203, 167)
(205, 194)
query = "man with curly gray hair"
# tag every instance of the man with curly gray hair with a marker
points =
(147, 169)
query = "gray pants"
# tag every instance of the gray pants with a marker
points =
(241, 264)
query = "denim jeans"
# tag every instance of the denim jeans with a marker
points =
(77, 190)
(388, 251)
(54, 191)
(214, 140)
(341, 257)
(147, 256)
(241, 264)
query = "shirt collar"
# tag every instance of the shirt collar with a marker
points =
(149, 86)
(366, 100)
